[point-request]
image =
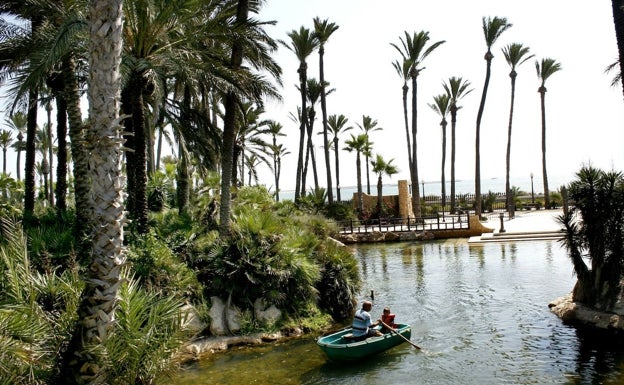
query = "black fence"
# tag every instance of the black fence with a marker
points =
(426, 223)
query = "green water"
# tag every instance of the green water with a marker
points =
(479, 313)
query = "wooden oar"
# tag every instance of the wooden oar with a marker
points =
(400, 335)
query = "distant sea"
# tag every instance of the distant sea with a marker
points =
(466, 186)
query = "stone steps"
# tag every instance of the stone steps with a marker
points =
(517, 236)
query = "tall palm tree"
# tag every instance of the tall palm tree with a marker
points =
(456, 88)
(277, 152)
(313, 91)
(97, 309)
(302, 44)
(368, 125)
(544, 70)
(5, 142)
(381, 168)
(337, 124)
(402, 68)
(618, 21)
(441, 106)
(413, 49)
(17, 121)
(323, 29)
(492, 29)
(515, 55)
(360, 145)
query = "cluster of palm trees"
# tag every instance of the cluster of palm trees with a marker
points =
(414, 49)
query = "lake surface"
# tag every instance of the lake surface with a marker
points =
(479, 312)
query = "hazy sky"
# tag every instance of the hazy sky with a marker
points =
(584, 114)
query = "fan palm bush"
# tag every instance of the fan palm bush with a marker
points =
(595, 236)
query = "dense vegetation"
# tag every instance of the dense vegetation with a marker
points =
(276, 251)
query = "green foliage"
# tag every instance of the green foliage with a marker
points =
(160, 192)
(340, 282)
(11, 197)
(340, 212)
(595, 231)
(51, 241)
(150, 330)
(262, 258)
(37, 313)
(159, 269)
(314, 201)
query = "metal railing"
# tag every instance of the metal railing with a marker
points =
(427, 223)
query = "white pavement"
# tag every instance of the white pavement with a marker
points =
(527, 225)
(530, 221)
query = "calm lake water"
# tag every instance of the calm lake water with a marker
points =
(479, 312)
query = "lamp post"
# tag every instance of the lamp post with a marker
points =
(532, 191)
(422, 181)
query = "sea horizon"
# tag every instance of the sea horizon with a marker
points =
(463, 186)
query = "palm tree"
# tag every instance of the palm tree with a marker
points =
(544, 70)
(413, 49)
(361, 145)
(368, 125)
(323, 29)
(5, 141)
(17, 121)
(492, 29)
(337, 124)
(515, 55)
(303, 43)
(313, 92)
(456, 88)
(277, 152)
(618, 21)
(97, 309)
(594, 236)
(403, 69)
(381, 168)
(441, 106)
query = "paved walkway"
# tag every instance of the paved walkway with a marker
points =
(532, 221)
(527, 225)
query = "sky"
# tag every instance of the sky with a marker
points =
(584, 113)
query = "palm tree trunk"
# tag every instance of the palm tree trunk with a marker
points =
(61, 167)
(300, 188)
(379, 196)
(443, 179)
(508, 198)
(49, 193)
(130, 155)
(330, 192)
(618, 21)
(414, 168)
(97, 308)
(542, 91)
(229, 128)
(182, 179)
(80, 157)
(407, 133)
(367, 175)
(337, 161)
(29, 172)
(140, 213)
(360, 202)
(488, 58)
(453, 124)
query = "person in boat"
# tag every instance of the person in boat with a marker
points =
(363, 326)
(387, 321)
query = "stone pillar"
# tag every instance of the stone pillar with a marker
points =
(405, 201)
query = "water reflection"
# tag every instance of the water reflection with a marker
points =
(480, 313)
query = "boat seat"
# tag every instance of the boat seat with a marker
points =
(349, 337)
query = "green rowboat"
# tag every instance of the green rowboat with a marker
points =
(341, 346)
